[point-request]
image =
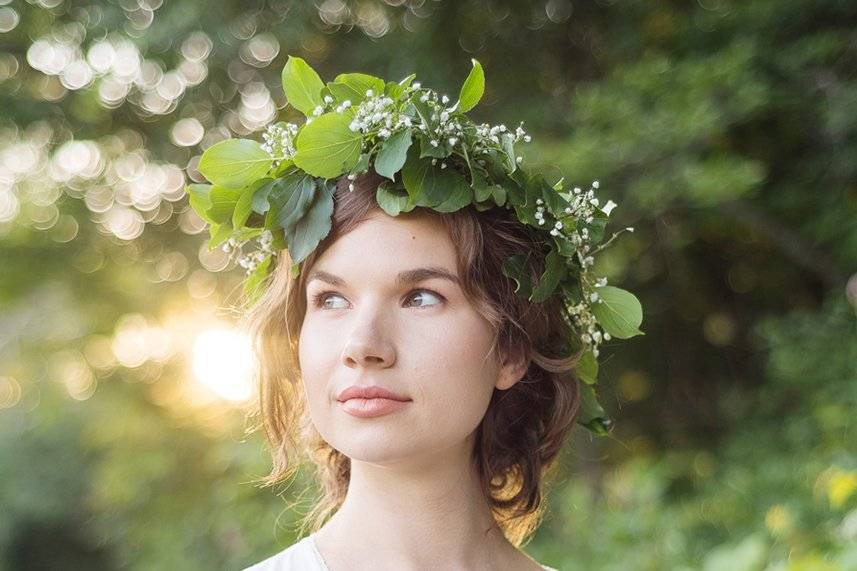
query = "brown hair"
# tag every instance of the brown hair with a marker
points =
(524, 427)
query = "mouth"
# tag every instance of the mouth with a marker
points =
(372, 407)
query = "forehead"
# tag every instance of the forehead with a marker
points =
(384, 245)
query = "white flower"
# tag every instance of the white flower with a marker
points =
(527, 138)
(558, 225)
(539, 201)
(328, 99)
(593, 297)
(416, 85)
(453, 140)
(369, 93)
(318, 110)
(595, 184)
(351, 186)
(541, 221)
(444, 99)
(433, 143)
(519, 159)
(608, 207)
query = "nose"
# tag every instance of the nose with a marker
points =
(368, 347)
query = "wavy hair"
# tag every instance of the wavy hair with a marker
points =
(524, 428)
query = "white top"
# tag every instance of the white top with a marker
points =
(302, 556)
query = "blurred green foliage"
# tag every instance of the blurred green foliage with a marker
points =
(725, 130)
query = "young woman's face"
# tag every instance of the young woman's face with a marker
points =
(390, 319)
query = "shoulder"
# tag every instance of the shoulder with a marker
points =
(299, 557)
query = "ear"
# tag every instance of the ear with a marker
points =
(513, 370)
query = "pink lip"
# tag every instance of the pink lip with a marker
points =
(370, 408)
(369, 392)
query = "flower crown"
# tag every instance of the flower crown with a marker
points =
(280, 193)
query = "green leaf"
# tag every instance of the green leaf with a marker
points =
(499, 194)
(507, 143)
(253, 284)
(199, 200)
(219, 234)
(327, 147)
(555, 270)
(234, 163)
(353, 86)
(260, 202)
(223, 202)
(459, 193)
(587, 368)
(619, 312)
(515, 268)
(393, 153)
(244, 205)
(428, 184)
(391, 200)
(591, 414)
(312, 227)
(302, 85)
(472, 89)
(362, 164)
(295, 193)
(441, 151)
(395, 90)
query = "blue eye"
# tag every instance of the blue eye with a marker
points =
(421, 293)
(321, 299)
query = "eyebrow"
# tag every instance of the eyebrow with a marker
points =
(404, 278)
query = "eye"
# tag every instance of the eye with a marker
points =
(420, 294)
(321, 299)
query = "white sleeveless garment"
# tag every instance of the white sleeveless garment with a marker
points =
(302, 556)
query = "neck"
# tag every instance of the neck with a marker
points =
(426, 512)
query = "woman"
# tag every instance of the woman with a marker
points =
(425, 326)
(447, 473)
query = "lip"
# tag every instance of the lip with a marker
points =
(371, 408)
(370, 392)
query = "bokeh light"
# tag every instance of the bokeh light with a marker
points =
(223, 363)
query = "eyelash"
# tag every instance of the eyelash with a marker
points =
(319, 298)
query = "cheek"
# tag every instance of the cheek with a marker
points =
(454, 373)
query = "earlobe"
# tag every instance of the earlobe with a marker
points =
(511, 372)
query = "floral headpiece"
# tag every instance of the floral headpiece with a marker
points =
(280, 193)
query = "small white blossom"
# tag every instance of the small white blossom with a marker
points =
(608, 207)
(369, 93)
(595, 184)
(444, 99)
